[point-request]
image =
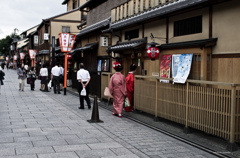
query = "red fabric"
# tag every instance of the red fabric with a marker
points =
(130, 91)
(118, 89)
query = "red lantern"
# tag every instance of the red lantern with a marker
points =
(153, 53)
(69, 56)
(116, 64)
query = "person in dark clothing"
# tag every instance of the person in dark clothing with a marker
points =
(32, 74)
(2, 74)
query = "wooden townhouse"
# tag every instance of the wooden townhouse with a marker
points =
(209, 100)
(51, 27)
(92, 43)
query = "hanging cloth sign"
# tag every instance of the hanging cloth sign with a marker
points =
(175, 61)
(165, 67)
(184, 66)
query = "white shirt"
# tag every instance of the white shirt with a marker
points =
(43, 72)
(55, 71)
(83, 75)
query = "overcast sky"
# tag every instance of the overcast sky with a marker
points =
(25, 14)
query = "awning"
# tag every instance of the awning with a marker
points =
(57, 49)
(89, 46)
(82, 24)
(94, 27)
(42, 52)
(60, 54)
(156, 12)
(22, 43)
(65, 2)
(128, 45)
(197, 43)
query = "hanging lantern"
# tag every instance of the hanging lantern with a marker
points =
(69, 56)
(22, 56)
(32, 53)
(116, 64)
(66, 41)
(153, 53)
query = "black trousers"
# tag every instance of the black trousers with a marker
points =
(56, 83)
(33, 84)
(83, 97)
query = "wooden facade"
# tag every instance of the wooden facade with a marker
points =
(209, 101)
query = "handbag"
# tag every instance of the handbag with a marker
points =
(126, 102)
(107, 93)
(29, 81)
(50, 84)
(83, 92)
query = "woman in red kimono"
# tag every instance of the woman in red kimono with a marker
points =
(117, 87)
(130, 87)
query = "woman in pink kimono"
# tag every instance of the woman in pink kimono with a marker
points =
(118, 89)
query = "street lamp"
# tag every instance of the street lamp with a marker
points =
(66, 41)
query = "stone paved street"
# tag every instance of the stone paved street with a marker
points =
(35, 124)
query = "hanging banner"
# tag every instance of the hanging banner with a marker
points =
(32, 53)
(175, 61)
(165, 67)
(15, 57)
(184, 66)
(22, 55)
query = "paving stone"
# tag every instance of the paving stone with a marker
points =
(105, 145)
(35, 150)
(21, 156)
(15, 145)
(6, 139)
(121, 151)
(95, 153)
(65, 148)
(122, 156)
(7, 152)
(28, 139)
(49, 143)
(59, 155)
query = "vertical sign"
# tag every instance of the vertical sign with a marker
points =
(35, 39)
(184, 66)
(165, 67)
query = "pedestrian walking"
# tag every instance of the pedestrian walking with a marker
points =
(55, 78)
(3, 64)
(83, 78)
(44, 75)
(61, 76)
(22, 75)
(32, 74)
(118, 89)
(130, 87)
(2, 74)
(48, 78)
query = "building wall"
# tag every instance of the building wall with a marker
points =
(226, 26)
(158, 29)
(205, 26)
(70, 4)
(102, 12)
(75, 15)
